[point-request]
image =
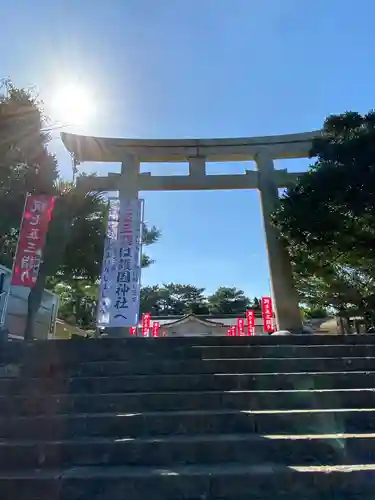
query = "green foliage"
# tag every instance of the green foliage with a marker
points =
(78, 303)
(315, 313)
(75, 239)
(327, 220)
(172, 298)
(25, 163)
(228, 301)
(179, 299)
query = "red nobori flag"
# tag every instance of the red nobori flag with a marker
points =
(146, 320)
(155, 328)
(133, 330)
(267, 313)
(250, 315)
(241, 326)
(34, 227)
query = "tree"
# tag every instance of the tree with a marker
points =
(173, 299)
(78, 303)
(74, 243)
(228, 301)
(26, 165)
(185, 299)
(180, 299)
(315, 313)
(256, 304)
(72, 208)
(327, 219)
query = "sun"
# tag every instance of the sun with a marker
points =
(72, 104)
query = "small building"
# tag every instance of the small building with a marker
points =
(16, 308)
(192, 325)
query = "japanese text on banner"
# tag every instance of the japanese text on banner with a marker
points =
(155, 329)
(267, 313)
(250, 315)
(146, 322)
(34, 227)
(119, 299)
(241, 326)
(126, 300)
(109, 266)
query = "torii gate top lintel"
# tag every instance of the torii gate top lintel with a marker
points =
(101, 149)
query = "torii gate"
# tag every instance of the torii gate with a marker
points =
(263, 150)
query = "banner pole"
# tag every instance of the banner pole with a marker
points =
(140, 263)
(7, 295)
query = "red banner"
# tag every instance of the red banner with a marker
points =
(34, 227)
(155, 328)
(267, 314)
(133, 330)
(229, 332)
(241, 326)
(146, 321)
(234, 331)
(250, 315)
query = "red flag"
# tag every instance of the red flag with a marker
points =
(241, 326)
(146, 320)
(229, 332)
(267, 314)
(34, 227)
(234, 330)
(250, 315)
(133, 330)
(155, 328)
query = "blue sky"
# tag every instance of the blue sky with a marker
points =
(198, 68)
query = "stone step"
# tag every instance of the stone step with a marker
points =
(192, 382)
(156, 351)
(185, 450)
(96, 349)
(129, 425)
(226, 481)
(237, 365)
(171, 401)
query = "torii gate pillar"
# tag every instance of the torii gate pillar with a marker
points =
(288, 315)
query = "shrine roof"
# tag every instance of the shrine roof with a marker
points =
(205, 319)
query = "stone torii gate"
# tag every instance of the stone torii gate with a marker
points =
(263, 150)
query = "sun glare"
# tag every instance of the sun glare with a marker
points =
(72, 104)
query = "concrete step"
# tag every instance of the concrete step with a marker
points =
(170, 401)
(184, 450)
(150, 350)
(182, 382)
(225, 482)
(129, 425)
(97, 349)
(225, 365)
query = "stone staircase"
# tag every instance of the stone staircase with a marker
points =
(188, 418)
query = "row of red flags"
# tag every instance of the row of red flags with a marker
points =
(149, 330)
(242, 328)
(267, 315)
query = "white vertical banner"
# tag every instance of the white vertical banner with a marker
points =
(121, 271)
(109, 267)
